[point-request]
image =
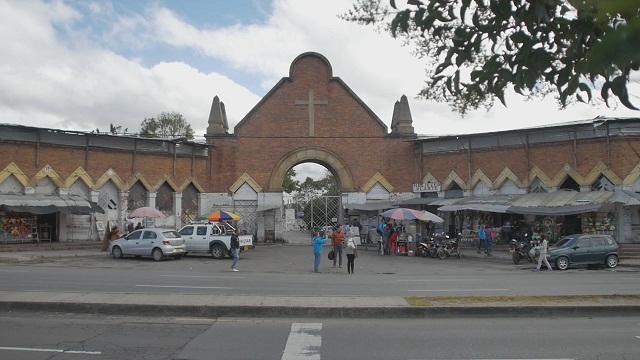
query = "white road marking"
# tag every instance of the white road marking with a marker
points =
(637, 337)
(430, 280)
(51, 350)
(496, 359)
(304, 342)
(184, 287)
(204, 276)
(456, 290)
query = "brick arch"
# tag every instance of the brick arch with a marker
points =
(316, 155)
(311, 54)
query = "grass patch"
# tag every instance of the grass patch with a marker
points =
(522, 300)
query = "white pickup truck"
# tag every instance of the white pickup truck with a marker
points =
(211, 238)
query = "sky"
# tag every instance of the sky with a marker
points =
(81, 65)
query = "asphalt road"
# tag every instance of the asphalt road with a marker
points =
(286, 271)
(67, 336)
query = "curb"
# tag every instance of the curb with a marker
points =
(320, 312)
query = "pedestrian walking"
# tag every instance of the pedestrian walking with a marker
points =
(393, 241)
(352, 254)
(130, 227)
(543, 255)
(337, 241)
(386, 235)
(482, 238)
(380, 231)
(317, 242)
(235, 250)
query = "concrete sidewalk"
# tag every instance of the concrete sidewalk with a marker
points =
(502, 254)
(34, 256)
(325, 307)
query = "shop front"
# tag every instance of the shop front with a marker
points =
(35, 218)
(553, 215)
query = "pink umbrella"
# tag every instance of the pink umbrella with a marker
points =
(410, 214)
(146, 212)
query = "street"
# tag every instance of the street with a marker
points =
(286, 271)
(45, 336)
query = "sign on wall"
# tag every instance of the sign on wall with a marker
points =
(426, 187)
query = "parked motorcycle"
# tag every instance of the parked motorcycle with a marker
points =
(521, 250)
(428, 248)
(450, 247)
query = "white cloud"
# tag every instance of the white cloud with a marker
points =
(73, 78)
(375, 66)
(69, 83)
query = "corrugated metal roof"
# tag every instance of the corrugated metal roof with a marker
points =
(44, 204)
(557, 203)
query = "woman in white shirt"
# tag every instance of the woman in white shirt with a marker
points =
(352, 253)
(543, 255)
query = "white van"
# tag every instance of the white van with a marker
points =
(211, 238)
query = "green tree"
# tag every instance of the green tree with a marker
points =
(477, 49)
(290, 184)
(167, 125)
(327, 185)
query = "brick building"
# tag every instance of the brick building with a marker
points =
(313, 116)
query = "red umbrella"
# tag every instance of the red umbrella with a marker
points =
(146, 212)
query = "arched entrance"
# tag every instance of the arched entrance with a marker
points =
(316, 155)
(316, 202)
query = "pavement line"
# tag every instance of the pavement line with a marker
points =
(304, 342)
(460, 290)
(637, 337)
(204, 276)
(184, 286)
(429, 280)
(51, 350)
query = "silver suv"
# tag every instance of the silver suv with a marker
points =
(157, 243)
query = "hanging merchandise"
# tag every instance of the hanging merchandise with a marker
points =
(598, 223)
(18, 227)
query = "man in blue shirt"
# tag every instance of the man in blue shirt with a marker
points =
(318, 242)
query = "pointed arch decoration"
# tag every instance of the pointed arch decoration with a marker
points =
(429, 178)
(139, 177)
(245, 178)
(536, 172)
(453, 177)
(505, 175)
(13, 169)
(47, 171)
(166, 178)
(377, 178)
(110, 174)
(79, 173)
(601, 169)
(567, 171)
(629, 180)
(194, 182)
(480, 176)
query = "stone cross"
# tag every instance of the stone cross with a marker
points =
(311, 103)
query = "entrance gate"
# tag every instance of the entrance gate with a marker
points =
(318, 212)
(247, 209)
